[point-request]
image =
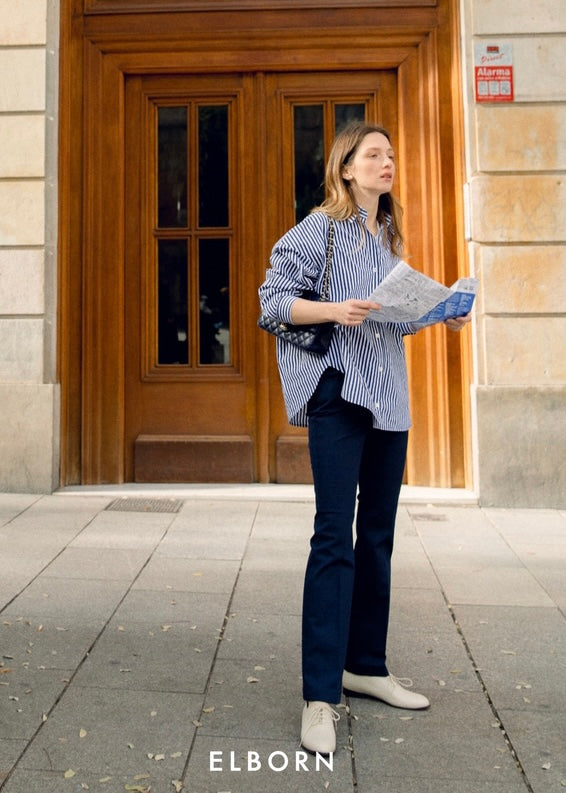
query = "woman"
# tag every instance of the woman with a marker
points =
(354, 400)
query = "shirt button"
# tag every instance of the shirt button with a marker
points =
(377, 405)
(380, 369)
(377, 336)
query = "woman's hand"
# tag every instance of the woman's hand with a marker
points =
(353, 312)
(348, 312)
(457, 323)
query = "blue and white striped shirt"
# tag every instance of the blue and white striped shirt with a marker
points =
(371, 355)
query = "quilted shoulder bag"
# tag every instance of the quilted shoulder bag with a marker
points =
(313, 338)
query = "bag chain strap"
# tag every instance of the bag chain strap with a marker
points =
(325, 294)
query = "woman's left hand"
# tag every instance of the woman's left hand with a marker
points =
(457, 323)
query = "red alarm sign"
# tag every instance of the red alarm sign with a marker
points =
(493, 72)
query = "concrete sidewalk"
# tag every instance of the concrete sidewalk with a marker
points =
(153, 643)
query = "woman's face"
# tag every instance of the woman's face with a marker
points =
(372, 168)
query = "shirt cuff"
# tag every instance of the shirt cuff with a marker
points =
(284, 308)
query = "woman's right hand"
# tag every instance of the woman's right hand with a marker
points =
(348, 312)
(354, 312)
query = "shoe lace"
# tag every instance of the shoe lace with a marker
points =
(406, 682)
(321, 713)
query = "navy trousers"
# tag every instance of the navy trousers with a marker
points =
(347, 587)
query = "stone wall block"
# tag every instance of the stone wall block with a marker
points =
(25, 90)
(525, 351)
(521, 137)
(523, 279)
(519, 16)
(21, 350)
(29, 450)
(23, 22)
(522, 461)
(539, 69)
(22, 217)
(22, 146)
(22, 279)
(518, 208)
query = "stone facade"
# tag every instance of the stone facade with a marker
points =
(515, 155)
(29, 394)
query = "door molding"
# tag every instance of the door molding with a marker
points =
(100, 50)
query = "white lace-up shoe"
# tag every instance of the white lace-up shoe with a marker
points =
(390, 689)
(318, 728)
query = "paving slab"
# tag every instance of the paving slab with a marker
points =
(474, 563)
(72, 781)
(97, 563)
(260, 638)
(167, 606)
(253, 700)
(285, 521)
(539, 740)
(10, 751)
(50, 643)
(151, 656)
(80, 600)
(521, 655)
(263, 592)
(189, 575)
(106, 732)
(110, 529)
(457, 739)
(12, 504)
(24, 704)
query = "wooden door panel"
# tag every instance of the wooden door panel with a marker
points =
(376, 92)
(186, 392)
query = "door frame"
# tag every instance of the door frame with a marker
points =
(99, 49)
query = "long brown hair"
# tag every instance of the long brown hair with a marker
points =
(340, 203)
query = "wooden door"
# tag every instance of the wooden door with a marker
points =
(161, 380)
(192, 227)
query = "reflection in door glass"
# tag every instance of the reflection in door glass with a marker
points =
(343, 114)
(213, 165)
(172, 166)
(173, 347)
(309, 158)
(214, 295)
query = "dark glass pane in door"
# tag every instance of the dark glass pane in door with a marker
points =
(214, 295)
(343, 114)
(213, 165)
(309, 158)
(173, 320)
(172, 167)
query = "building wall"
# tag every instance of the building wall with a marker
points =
(29, 397)
(516, 158)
